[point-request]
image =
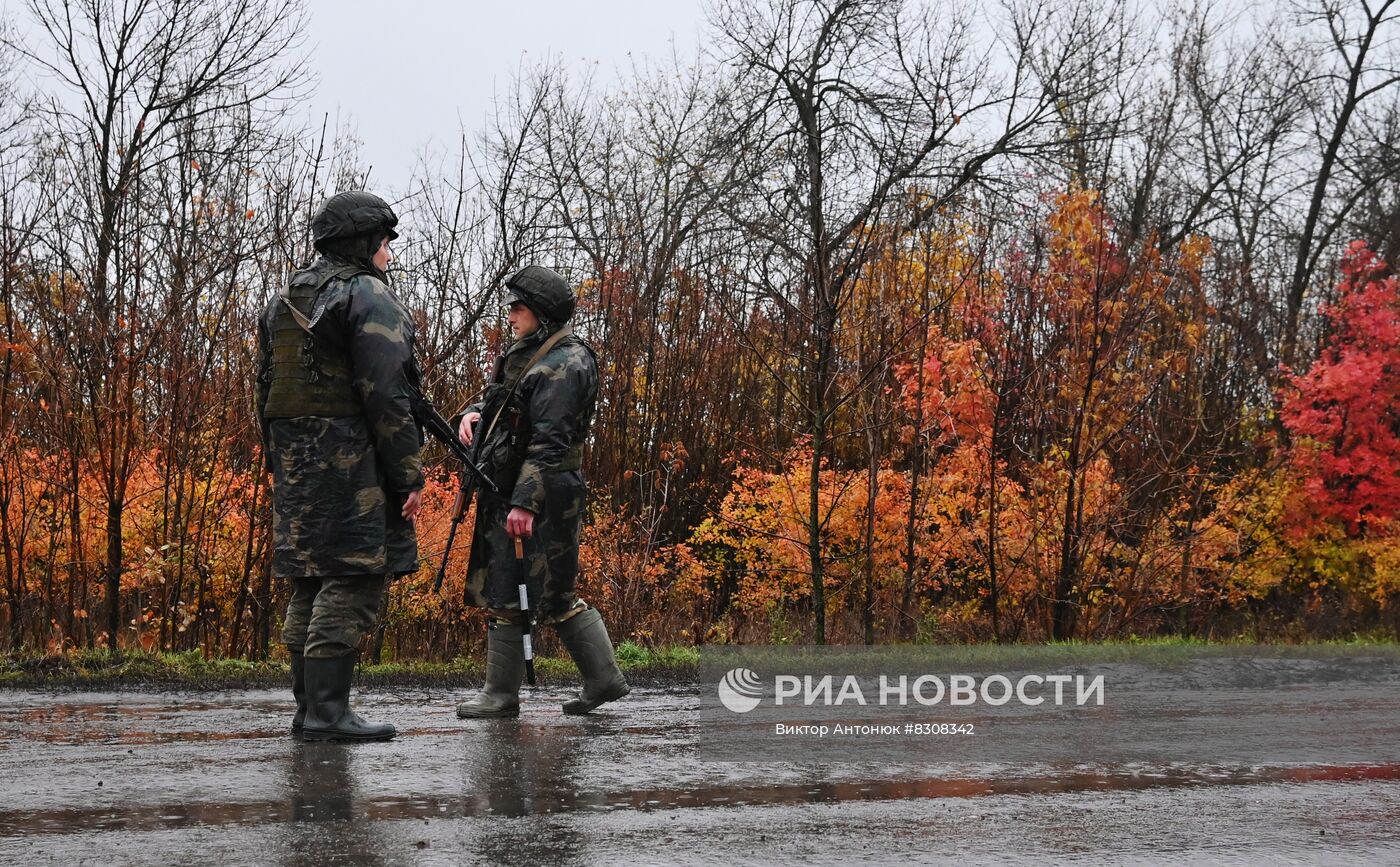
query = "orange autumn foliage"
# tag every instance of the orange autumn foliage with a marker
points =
(1037, 426)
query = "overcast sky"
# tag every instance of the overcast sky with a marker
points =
(410, 74)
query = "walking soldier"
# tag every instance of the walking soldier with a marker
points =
(534, 419)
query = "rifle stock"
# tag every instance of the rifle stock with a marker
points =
(459, 512)
(470, 475)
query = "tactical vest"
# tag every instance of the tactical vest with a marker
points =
(309, 376)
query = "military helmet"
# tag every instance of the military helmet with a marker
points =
(542, 290)
(351, 214)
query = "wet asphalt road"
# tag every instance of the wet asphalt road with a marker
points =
(165, 778)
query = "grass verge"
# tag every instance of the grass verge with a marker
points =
(645, 666)
(102, 669)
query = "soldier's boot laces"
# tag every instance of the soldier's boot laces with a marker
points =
(298, 689)
(587, 640)
(328, 713)
(505, 671)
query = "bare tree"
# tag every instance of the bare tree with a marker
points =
(138, 77)
(14, 105)
(1360, 69)
(849, 107)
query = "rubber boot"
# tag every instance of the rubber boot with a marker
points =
(298, 689)
(328, 713)
(505, 670)
(587, 640)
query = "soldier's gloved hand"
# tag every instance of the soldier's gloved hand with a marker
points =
(464, 430)
(411, 504)
(520, 523)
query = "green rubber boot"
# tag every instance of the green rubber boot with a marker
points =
(505, 671)
(328, 713)
(587, 640)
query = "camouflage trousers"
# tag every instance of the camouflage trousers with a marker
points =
(551, 555)
(327, 616)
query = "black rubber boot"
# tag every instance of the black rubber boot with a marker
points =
(328, 713)
(587, 640)
(505, 670)
(298, 689)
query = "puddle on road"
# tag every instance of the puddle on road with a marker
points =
(327, 774)
(136, 738)
(132, 724)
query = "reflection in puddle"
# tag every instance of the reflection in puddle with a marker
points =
(524, 776)
(321, 791)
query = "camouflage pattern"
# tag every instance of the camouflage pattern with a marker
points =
(534, 455)
(327, 617)
(339, 483)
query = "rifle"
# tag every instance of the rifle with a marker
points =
(469, 476)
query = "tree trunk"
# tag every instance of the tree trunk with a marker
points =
(1062, 612)
(872, 494)
(114, 569)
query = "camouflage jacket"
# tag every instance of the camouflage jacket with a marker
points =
(533, 453)
(543, 429)
(339, 483)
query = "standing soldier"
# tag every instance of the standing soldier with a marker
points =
(335, 371)
(534, 418)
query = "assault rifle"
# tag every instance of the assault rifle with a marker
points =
(468, 477)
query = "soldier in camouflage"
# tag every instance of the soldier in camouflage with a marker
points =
(534, 419)
(335, 371)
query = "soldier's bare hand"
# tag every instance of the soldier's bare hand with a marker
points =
(464, 430)
(412, 503)
(520, 523)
